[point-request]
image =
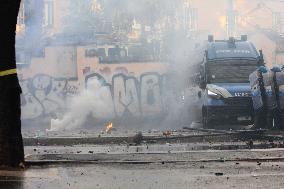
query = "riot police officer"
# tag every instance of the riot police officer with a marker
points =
(273, 114)
(259, 97)
(280, 92)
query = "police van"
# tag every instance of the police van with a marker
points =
(224, 80)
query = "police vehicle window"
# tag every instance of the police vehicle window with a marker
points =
(230, 72)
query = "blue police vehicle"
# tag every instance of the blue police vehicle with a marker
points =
(224, 80)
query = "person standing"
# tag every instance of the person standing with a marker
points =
(275, 113)
(11, 143)
(259, 97)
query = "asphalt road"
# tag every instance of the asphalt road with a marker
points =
(151, 166)
(217, 175)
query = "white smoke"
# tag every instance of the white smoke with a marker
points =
(184, 102)
(95, 101)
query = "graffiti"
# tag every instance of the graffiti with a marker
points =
(125, 96)
(151, 98)
(43, 95)
(105, 71)
(100, 102)
(134, 97)
(71, 89)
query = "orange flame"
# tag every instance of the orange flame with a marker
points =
(167, 133)
(109, 127)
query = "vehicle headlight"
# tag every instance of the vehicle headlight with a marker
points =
(213, 95)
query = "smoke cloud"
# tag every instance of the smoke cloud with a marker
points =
(94, 101)
(178, 28)
(164, 20)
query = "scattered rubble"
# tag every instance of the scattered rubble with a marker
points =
(138, 138)
(250, 144)
(219, 174)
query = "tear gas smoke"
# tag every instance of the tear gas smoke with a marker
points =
(94, 101)
(166, 22)
(184, 54)
(187, 55)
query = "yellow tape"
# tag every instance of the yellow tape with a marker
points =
(8, 72)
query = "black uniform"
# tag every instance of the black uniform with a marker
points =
(11, 145)
(274, 115)
(261, 120)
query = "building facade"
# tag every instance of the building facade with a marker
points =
(262, 21)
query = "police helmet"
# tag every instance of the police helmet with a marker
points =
(262, 69)
(276, 69)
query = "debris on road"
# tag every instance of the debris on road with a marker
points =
(219, 174)
(250, 144)
(138, 138)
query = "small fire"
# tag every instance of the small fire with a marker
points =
(109, 128)
(167, 133)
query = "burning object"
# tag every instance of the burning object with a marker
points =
(85, 105)
(109, 128)
(167, 133)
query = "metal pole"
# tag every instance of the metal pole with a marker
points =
(231, 20)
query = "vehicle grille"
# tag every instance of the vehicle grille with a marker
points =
(239, 101)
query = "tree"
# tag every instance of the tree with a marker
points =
(82, 17)
(11, 143)
(33, 26)
(89, 16)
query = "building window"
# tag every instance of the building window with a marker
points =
(48, 13)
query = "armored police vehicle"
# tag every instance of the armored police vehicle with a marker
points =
(224, 80)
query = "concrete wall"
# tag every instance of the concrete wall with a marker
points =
(64, 72)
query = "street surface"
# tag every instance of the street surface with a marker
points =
(115, 94)
(184, 159)
(160, 175)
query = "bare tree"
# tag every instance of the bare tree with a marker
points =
(81, 18)
(11, 144)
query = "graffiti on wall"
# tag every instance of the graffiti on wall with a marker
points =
(135, 97)
(130, 96)
(44, 95)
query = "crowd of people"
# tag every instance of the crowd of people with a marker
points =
(267, 87)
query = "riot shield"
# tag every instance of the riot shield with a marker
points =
(259, 99)
(280, 87)
(255, 91)
(271, 102)
(269, 90)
